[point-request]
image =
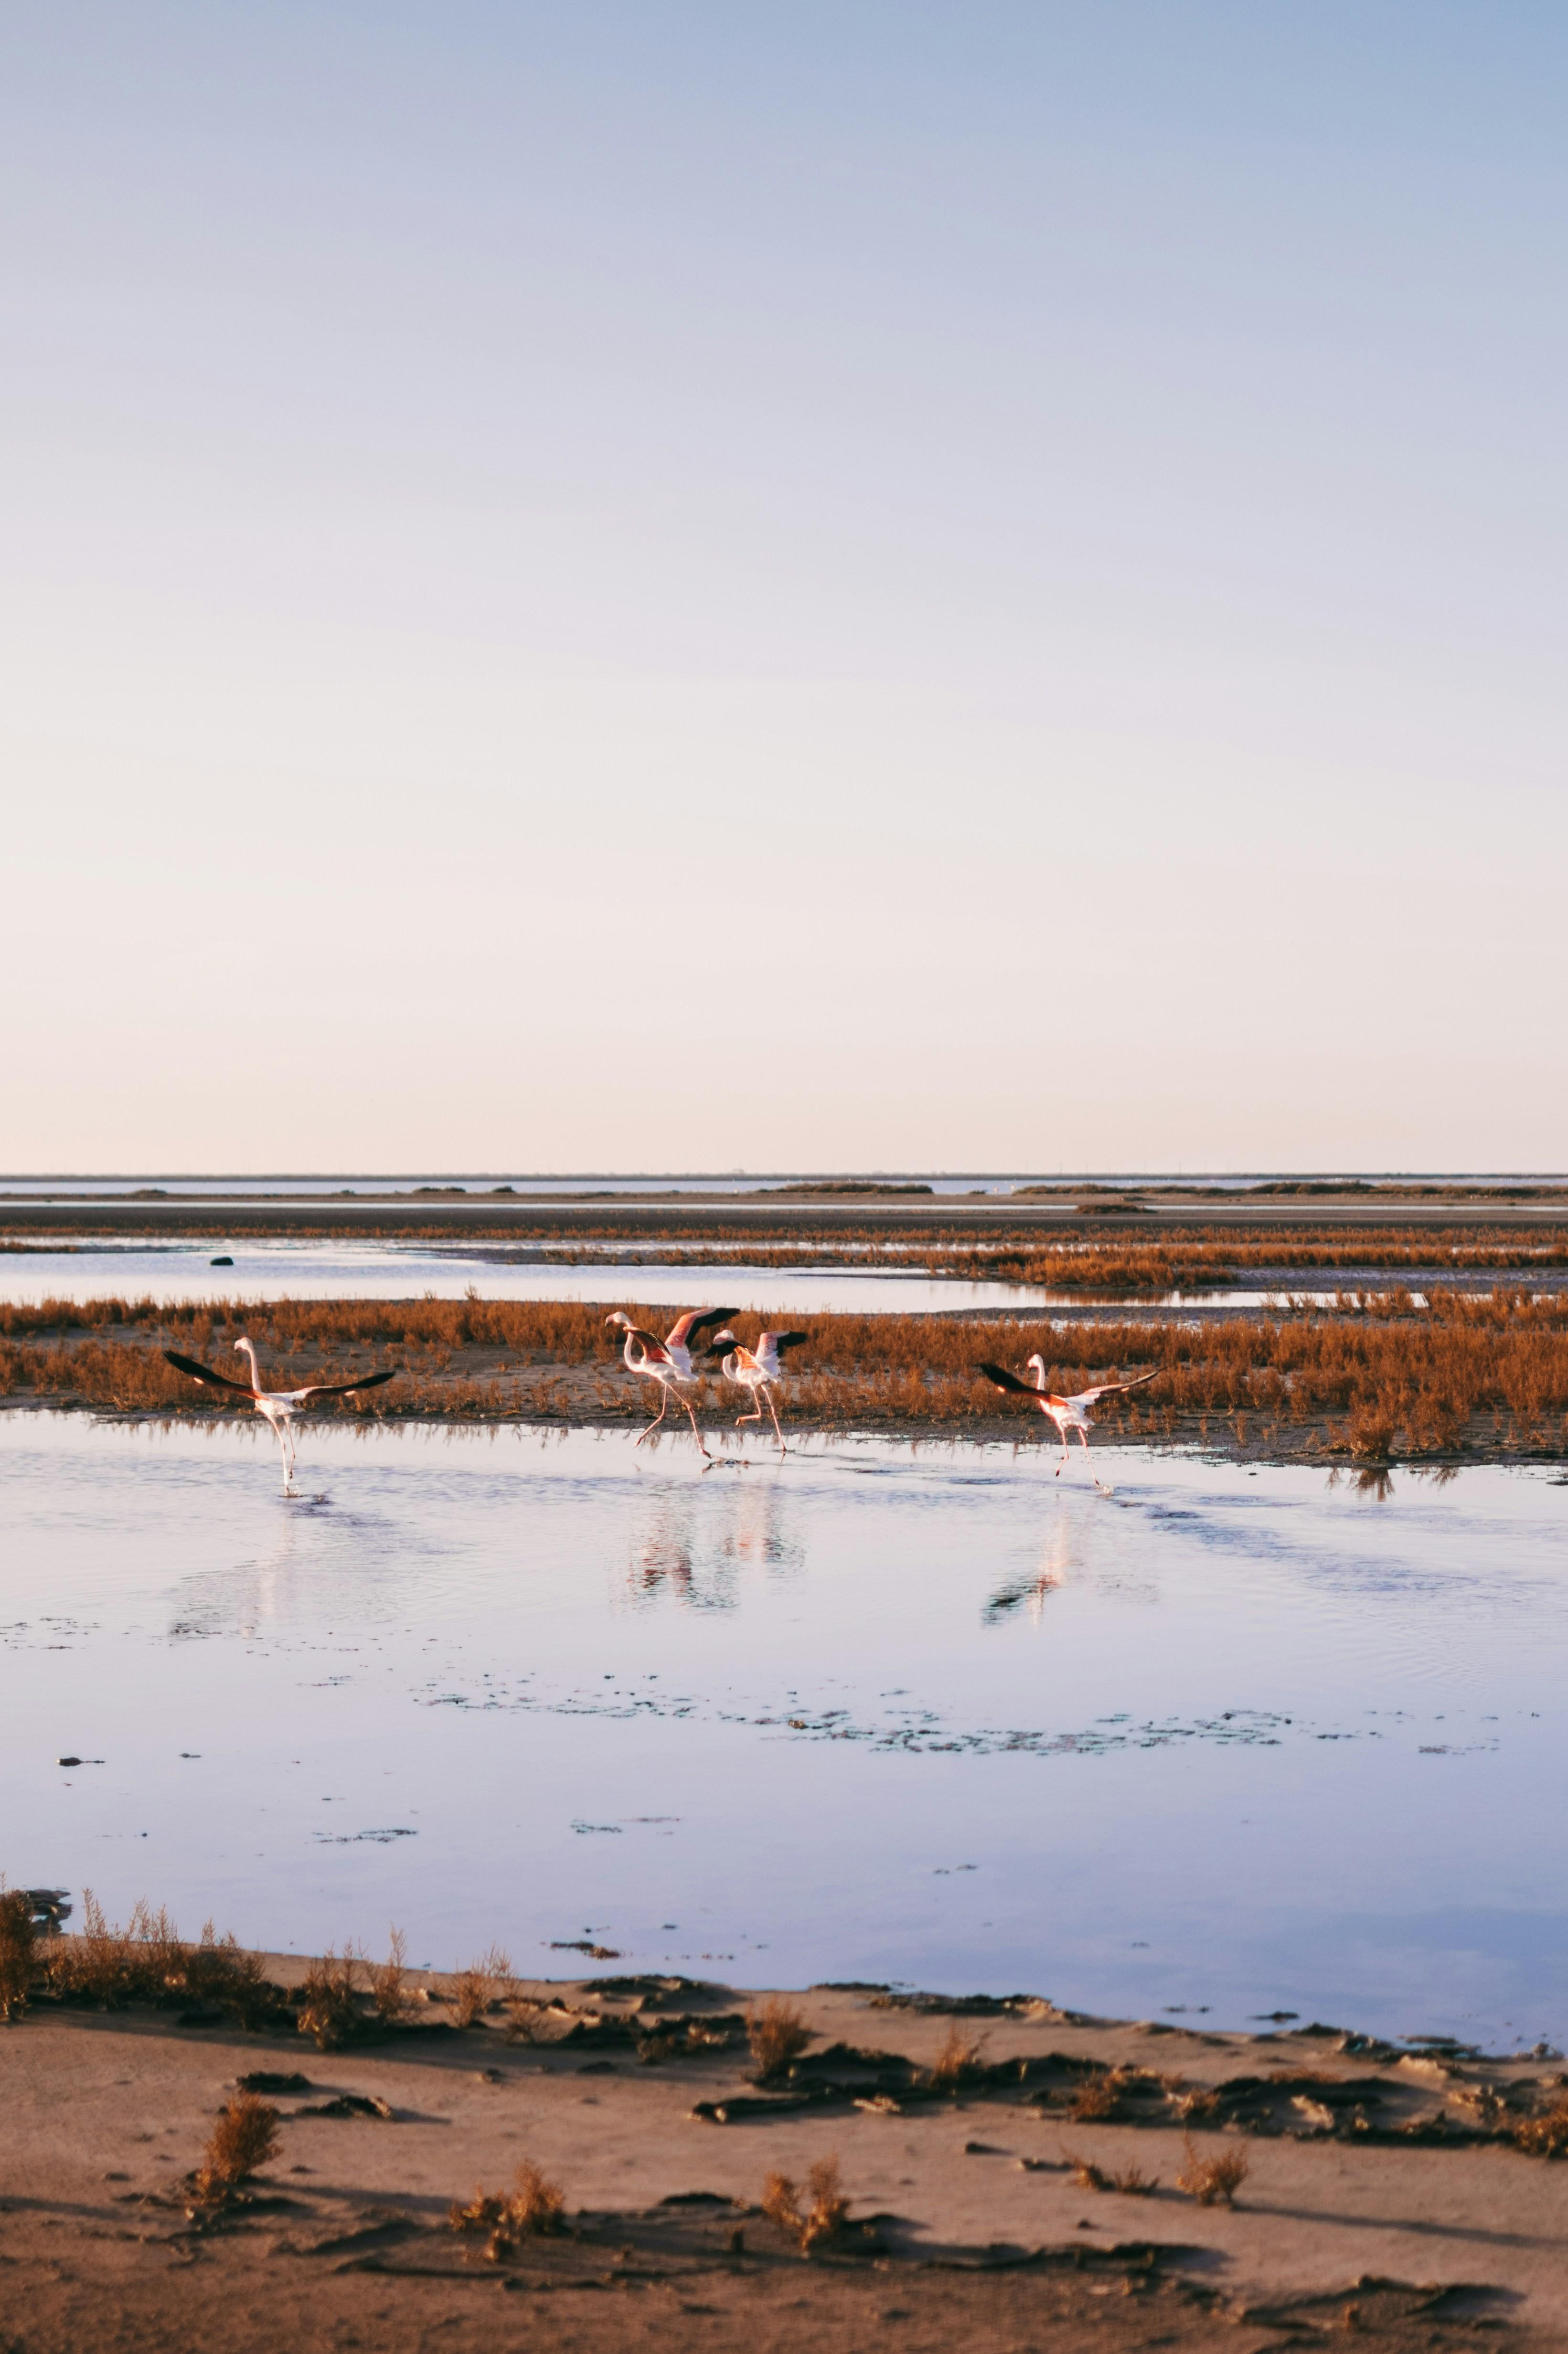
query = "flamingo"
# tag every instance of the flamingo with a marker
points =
(279, 1406)
(1068, 1414)
(669, 1360)
(754, 1369)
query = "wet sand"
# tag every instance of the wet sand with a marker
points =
(1382, 2199)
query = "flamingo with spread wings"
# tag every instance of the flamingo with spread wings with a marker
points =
(668, 1361)
(757, 1369)
(1068, 1414)
(278, 1406)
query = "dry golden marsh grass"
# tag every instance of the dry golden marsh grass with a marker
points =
(1487, 1374)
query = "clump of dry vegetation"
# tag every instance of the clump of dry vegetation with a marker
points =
(1370, 1375)
(389, 1990)
(147, 1961)
(826, 2210)
(777, 2033)
(330, 2008)
(18, 1962)
(1100, 2096)
(244, 2138)
(482, 1983)
(1212, 2181)
(957, 2061)
(534, 2205)
(1131, 2181)
(1545, 2135)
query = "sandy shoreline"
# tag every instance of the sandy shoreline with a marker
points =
(1365, 2165)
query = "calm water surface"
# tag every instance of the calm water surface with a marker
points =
(384, 1270)
(1225, 1739)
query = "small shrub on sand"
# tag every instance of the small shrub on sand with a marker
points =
(1099, 2098)
(387, 1991)
(533, 2205)
(777, 2033)
(1545, 2135)
(245, 2137)
(17, 1959)
(524, 2017)
(1132, 2182)
(957, 2060)
(219, 1977)
(147, 1961)
(329, 2007)
(823, 2219)
(1212, 2181)
(479, 1985)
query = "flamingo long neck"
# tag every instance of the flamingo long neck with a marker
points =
(248, 1347)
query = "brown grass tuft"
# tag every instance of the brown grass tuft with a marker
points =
(533, 2205)
(329, 2008)
(245, 2137)
(146, 1962)
(388, 1991)
(479, 1985)
(957, 2060)
(1545, 2135)
(17, 1953)
(1212, 2181)
(823, 2219)
(1100, 2096)
(777, 2033)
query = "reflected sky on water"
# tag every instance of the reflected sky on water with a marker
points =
(1225, 1738)
(386, 1270)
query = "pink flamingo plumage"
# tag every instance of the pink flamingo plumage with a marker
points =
(668, 1361)
(1068, 1414)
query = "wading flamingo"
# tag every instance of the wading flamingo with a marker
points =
(279, 1406)
(1068, 1414)
(755, 1369)
(669, 1360)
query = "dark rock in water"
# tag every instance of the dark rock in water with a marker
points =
(270, 2080)
(49, 1906)
(220, 1262)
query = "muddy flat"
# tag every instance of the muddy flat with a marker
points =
(1382, 2197)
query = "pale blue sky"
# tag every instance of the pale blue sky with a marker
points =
(1043, 526)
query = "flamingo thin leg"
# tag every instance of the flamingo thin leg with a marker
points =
(773, 1410)
(696, 1434)
(664, 1409)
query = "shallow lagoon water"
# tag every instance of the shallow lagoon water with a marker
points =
(1224, 1738)
(387, 1270)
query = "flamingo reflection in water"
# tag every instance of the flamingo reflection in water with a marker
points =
(1055, 1561)
(1068, 1414)
(278, 1406)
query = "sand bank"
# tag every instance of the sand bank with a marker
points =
(1385, 2194)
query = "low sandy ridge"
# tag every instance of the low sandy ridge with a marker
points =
(969, 2140)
